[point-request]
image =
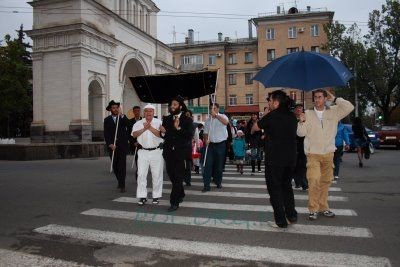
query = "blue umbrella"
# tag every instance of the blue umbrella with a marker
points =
(305, 71)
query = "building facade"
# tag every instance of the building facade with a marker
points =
(83, 53)
(238, 60)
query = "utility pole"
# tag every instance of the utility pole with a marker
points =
(355, 89)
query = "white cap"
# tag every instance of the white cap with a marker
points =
(150, 106)
(240, 132)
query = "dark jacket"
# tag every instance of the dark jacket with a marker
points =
(123, 133)
(253, 139)
(176, 141)
(280, 125)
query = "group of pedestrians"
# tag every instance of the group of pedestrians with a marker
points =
(298, 144)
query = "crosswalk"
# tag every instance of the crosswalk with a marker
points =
(234, 209)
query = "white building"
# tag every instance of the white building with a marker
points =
(83, 53)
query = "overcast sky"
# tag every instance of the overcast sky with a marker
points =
(346, 11)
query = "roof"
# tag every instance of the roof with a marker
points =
(243, 109)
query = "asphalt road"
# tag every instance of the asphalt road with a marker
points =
(68, 212)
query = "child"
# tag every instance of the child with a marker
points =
(239, 149)
(196, 150)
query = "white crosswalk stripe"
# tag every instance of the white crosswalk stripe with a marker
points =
(237, 207)
(239, 252)
(229, 223)
(248, 195)
(253, 186)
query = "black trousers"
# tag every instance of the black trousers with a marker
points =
(119, 166)
(176, 172)
(300, 177)
(280, 190)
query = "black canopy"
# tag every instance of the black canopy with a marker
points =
(161, 88)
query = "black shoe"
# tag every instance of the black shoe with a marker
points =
(284, 225)
(188, 184)
(205, 190)
(155, 201)
(219, 186)
(360, 164)
(305, 188)
(181, 200)
(122, 190)
(173, 208)
(313, 216)
(292, 220)
(142, 201)
(328, 213)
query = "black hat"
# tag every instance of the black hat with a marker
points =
(181, 101)
(112, 103)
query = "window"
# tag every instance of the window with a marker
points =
(292, 50)
(190, 102)
(315, 49)
(212, 59)
(314, 30)
(270, 34)
(232, 58)
(192, 59)
(249, 99)
(232, 100)
(248, 57)
(292, 32)
(248, 78)
(231, 79)
(270, 54)
(293, 95)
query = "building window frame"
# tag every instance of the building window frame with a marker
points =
(292, 32)
(192, 59)
(212, 59)
(232, 58)
(270, 34)
(232, 100)
(248, 76)
(249, 99)
(271, 54)
(232, 79)
(315, 30)
(248, 57)
(292, 50)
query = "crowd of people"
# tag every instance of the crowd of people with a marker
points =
(301, 145)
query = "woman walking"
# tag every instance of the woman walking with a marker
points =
(361, 139)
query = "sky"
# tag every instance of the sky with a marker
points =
(184, 15)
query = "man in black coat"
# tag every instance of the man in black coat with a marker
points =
(280, 125)
(121, 146)
(177, 129)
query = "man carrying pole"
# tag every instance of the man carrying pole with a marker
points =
(116, 136)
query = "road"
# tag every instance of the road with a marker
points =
(69, 213)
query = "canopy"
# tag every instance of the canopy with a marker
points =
(161, 88)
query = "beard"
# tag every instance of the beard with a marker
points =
(175, 111)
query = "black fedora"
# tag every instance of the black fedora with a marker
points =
(112, 103)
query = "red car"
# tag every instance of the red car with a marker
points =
(390, 135)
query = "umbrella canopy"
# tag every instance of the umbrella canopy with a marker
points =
(163, 87)
(305, 71)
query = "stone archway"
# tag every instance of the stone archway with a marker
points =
(133, 67)
(96, 109)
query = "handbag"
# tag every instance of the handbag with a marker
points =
(367, 151)
(195, 152)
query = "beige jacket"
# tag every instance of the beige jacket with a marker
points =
(320, 136)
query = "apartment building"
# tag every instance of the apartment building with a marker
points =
(238, 60)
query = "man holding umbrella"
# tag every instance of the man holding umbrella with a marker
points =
(319, 126)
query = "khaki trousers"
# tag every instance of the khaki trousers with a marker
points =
(320, 176)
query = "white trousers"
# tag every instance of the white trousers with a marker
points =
(154, 160)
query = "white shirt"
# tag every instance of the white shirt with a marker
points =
(147, 139)
(219, 130)
(320, 113)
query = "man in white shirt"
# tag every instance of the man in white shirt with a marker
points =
(215, 134)
(147, 132)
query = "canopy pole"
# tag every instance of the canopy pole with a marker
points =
(211, 122)
(116, 128)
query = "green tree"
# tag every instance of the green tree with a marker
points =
(15, 74)
(373, 58)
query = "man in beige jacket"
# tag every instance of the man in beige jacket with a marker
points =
(319, 126)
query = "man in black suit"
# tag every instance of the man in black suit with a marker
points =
(121, 146)
(177, 130)
(280, 126)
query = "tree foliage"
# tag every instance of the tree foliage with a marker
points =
(15, 76)
(373, 58)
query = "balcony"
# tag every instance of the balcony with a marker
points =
(191, 67)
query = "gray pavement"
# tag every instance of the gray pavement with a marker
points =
(68, 212)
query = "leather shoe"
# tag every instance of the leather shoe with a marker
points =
(173, 208)
(188, 184)
(122, 190)
(292, 220)
(205, 190)
(219, 186)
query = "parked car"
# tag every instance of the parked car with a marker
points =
(390, 135)
(373, 136)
